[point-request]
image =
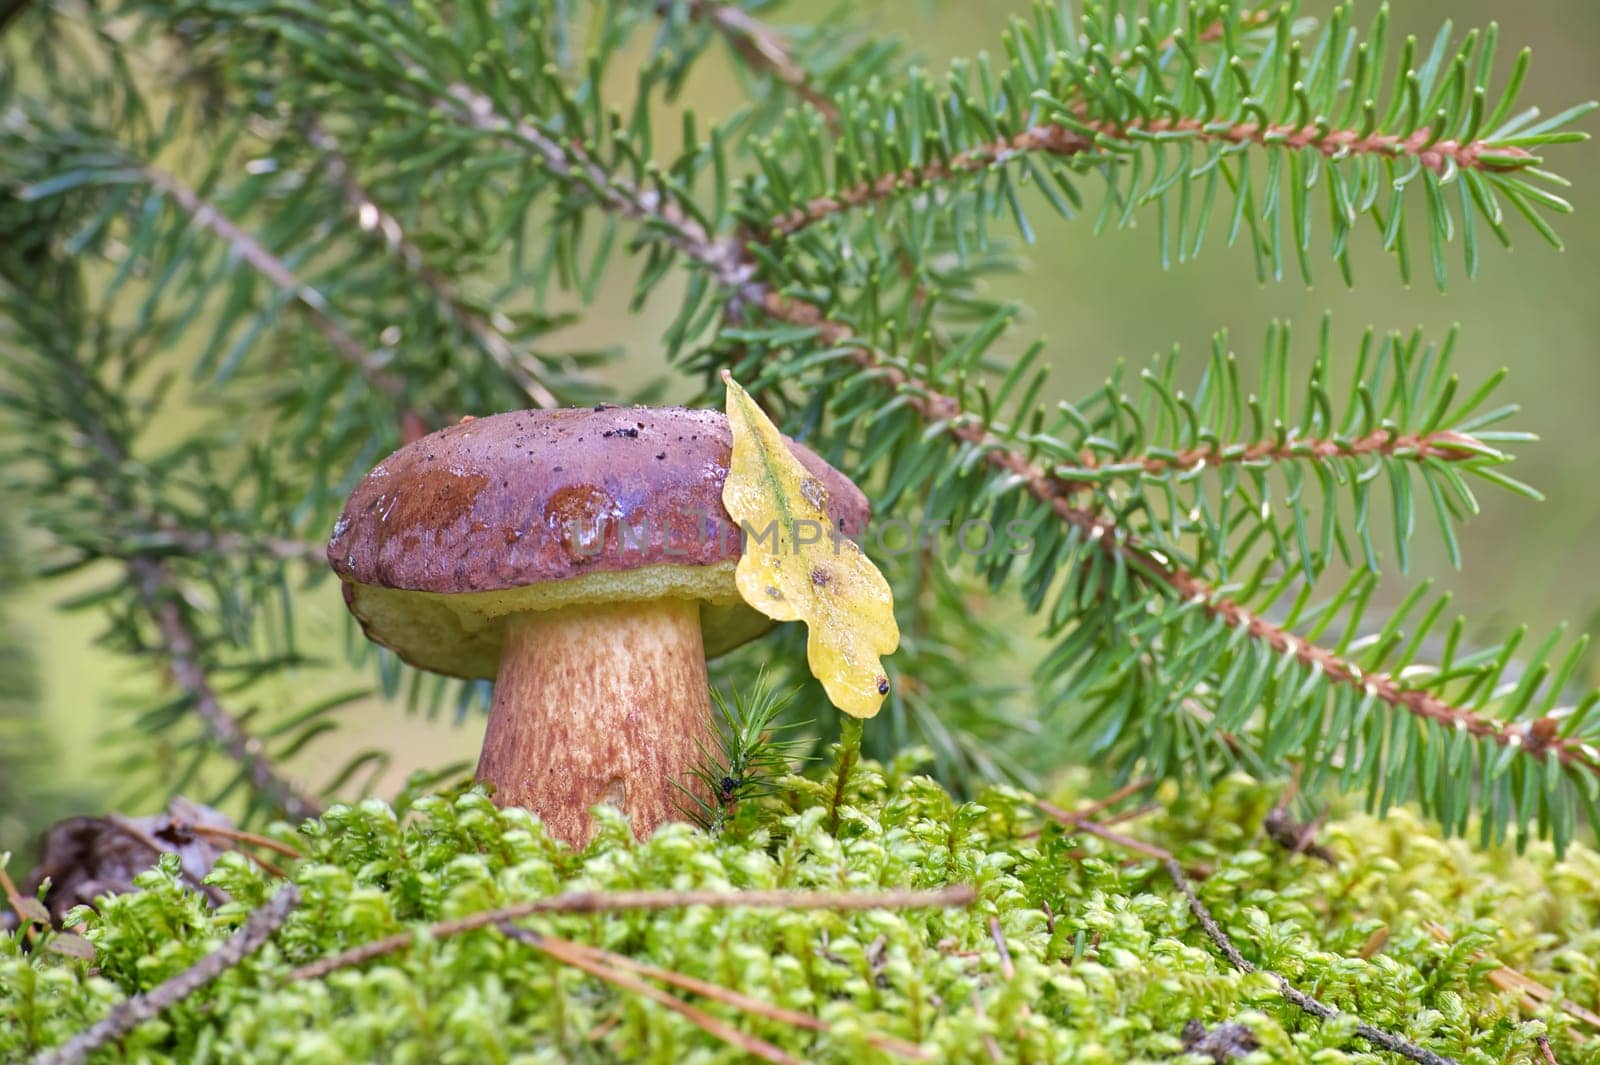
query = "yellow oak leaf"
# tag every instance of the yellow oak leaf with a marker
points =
(791, 573)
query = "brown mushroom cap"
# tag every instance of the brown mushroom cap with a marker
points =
(535, 510)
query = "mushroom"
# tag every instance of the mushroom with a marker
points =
(583, 559)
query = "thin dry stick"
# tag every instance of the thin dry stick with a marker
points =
(29, 910)
(1132, 813)
(562, 951)
(733, 998)
(145, 839)
(1093, 828)
(1007, 969)
(1535, 996)
(127, 1015)
(1125, 792)
(1376, 1036)
(1548, 1054)
(608, 901)
(238, 836)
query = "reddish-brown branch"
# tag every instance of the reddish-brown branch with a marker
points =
(1084, 823)
(1048, 139)
(1536, 997)
(945, 411)
(763, 49)
(1444, 445)
(562, 951)
(716, 992)
(1053, 138)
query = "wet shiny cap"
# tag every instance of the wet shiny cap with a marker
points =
(536, 510)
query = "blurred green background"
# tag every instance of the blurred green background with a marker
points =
(1099, 299)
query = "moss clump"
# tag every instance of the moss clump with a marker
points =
(1111, 977)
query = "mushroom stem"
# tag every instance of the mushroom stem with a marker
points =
(603, 702)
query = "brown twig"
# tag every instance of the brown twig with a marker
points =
(1376, 1036)
(1127, 791)
(130, 1013)
(1094, 828)
(1443, 445)
(565, 953)
(1007, 968)
(1087, 134)
(1546, 1052)
(155, 586)
(763, 49)
(727, 996)
(238, 836)
(605, 902)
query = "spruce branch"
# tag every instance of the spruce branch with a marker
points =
(662, 212)
(158, 536)
(715, 992)
(1187, 121)
(1089, 136)
(205, 215)
(943, 413)
(156, 591)
(373, 218)
(1445, 445)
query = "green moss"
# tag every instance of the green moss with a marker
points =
(1111, 978)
